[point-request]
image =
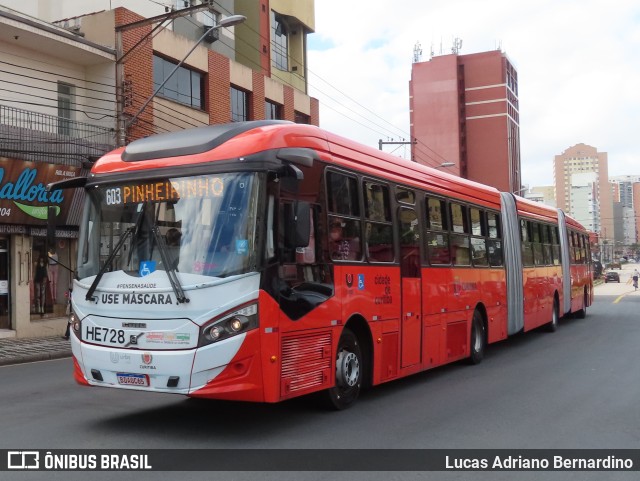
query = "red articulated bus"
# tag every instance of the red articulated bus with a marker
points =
(265, 260)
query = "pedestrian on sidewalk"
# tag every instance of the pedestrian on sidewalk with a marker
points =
(40, 280)
(67, 333)
(634, 276)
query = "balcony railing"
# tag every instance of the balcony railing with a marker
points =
(35, 136)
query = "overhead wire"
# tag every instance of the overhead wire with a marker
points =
(199, 122)
(436, 161)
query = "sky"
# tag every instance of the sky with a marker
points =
(578, 64)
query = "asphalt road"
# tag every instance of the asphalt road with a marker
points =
(576, 388)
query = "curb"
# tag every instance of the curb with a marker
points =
(49, 356)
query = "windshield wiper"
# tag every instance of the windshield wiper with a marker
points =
(107, 262)
(168, 267)
(133, 230)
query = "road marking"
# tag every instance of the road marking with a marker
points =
(621, 296)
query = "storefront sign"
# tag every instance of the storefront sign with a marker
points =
(23, 195)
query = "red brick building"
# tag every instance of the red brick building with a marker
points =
(231, 76)
(464, 109)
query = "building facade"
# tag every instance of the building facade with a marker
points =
(101, 80)
(626, 189)
(57, 114)
(543, 193)
(585, 159)
(464, 109)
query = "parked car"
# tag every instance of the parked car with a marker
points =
(612, 277)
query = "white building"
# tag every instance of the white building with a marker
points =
(583, 203)
(57, 114)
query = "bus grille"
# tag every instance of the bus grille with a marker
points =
(306, 363)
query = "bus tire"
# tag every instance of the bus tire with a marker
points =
(478, 338)
(349, 373)
(582, 313)
(552, 326)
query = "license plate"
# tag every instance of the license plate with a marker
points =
(127, 379)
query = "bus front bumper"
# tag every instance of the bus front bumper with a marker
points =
(223, 370)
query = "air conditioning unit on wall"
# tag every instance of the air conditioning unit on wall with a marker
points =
(213, 35)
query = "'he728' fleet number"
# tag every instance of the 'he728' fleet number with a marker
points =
(104, 334)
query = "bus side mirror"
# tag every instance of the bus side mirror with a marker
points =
(297, 223)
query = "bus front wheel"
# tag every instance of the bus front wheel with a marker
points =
(349, 372)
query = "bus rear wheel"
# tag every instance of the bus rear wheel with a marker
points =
(349, 373)
(478, 338)
(582, 313)
(552, 326)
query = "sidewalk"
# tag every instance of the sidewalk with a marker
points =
(16, 351)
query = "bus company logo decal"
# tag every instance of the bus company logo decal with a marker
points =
(361, 282)
(23, 460)
(349, 280)
(118, 357)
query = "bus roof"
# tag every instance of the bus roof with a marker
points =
(241, 139)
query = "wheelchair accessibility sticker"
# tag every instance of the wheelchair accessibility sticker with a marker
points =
(147, 267)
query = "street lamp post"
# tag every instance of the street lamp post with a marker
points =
(226, 22)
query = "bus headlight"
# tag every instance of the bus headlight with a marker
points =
(74, 324)
(236, 324)
(230, 324)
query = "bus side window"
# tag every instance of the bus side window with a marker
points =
(494, 244)
(460, 250)
(379, 229)
(345, 227)
(437, 239)
(409, 243)
(527, 244)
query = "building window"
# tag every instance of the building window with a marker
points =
(65, 110)
(272, 111)
(208, 18)
(185, 86)
(300, 118)
(279, 42)
(239, 105)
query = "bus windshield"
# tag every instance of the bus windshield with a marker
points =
(203, 225)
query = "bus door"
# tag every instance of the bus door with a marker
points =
(410, 271)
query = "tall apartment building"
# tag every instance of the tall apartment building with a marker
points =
(584, 159)
(626, 201)
(464, 109)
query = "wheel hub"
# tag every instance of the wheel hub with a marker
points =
(348, 369)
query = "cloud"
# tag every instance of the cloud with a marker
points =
(578, 68)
